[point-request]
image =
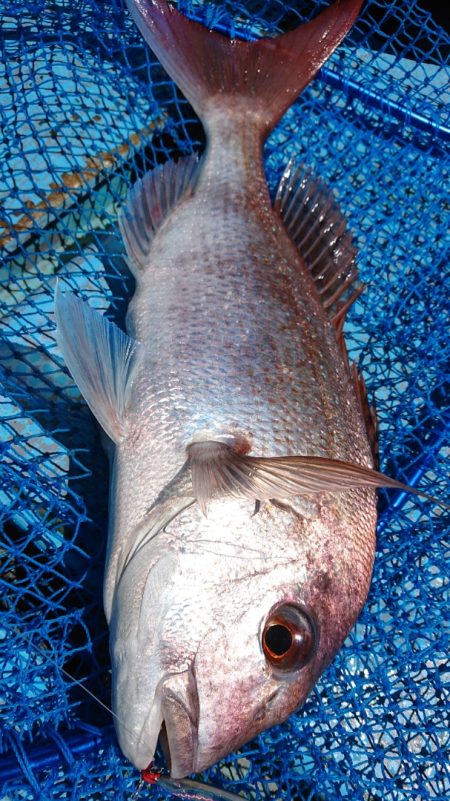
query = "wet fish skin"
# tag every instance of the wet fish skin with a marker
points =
(232, 344)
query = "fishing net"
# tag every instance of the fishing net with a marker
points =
(85, 110)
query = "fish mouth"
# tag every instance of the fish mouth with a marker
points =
(173, 721)
(178, 736)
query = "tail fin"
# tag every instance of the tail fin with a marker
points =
(267, 74)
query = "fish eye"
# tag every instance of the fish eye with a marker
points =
(290, 637)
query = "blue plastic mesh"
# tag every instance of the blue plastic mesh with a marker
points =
(85, 110)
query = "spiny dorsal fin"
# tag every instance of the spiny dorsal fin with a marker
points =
(217, 470)
(99, 357)
(150, 201)
(316, 225)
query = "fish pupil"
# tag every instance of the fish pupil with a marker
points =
(278, 639)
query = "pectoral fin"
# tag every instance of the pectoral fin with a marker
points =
(99, 357)
(218, 470)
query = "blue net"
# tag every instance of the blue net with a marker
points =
(85, 110)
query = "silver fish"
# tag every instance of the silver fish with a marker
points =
(242, 519)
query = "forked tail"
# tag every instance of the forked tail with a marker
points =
(263, 77)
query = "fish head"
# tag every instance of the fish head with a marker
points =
(230, 633)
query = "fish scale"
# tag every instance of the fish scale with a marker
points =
(229, 310)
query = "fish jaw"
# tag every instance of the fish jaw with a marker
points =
(180, 732)
(153, 685)
(140, 747)
(159, 620)
(172, 717)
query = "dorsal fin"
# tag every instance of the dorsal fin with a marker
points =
(316, 225)
(148, 204)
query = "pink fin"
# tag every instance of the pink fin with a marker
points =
(269, 73)
(218, 470)
(148, 204)
(318, 228)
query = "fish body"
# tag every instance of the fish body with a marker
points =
(225, 537)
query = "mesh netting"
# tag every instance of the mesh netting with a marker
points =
(85, 110)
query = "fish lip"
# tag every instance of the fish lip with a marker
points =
(179, 735)
(173, 719)
(142, 745)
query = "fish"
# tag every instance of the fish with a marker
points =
(242, 501)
